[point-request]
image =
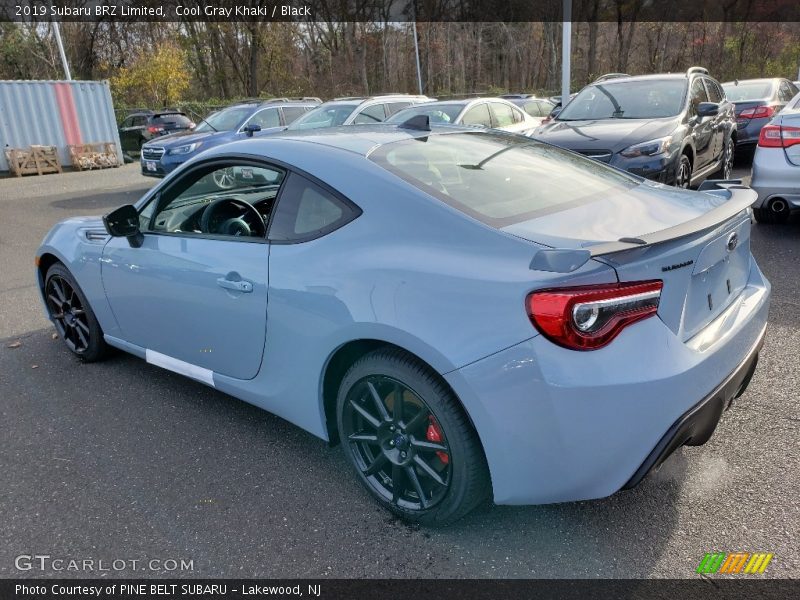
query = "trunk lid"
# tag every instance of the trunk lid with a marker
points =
(698, 244)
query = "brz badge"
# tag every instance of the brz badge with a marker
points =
(733, 241)
(677, 266)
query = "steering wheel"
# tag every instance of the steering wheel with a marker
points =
(236, 226)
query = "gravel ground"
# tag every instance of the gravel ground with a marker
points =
(124, 460)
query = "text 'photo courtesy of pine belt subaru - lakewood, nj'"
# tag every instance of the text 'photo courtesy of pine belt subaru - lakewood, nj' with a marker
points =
(673, 128)
(473, 315)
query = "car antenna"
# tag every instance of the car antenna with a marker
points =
(417, 122)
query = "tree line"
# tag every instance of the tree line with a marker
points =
(155, 64)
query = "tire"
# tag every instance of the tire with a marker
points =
(726, 169)
(776, 211)
(683, 174)
(389, 451)
(72, 315)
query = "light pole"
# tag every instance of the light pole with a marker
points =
(60, 44)
(566, 50)
(416, 50)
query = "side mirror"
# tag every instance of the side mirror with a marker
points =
(707, 109)
(251, 129)
(124, 222)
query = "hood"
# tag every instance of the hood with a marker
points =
(604, 134)
(628, 213)
(188, 137)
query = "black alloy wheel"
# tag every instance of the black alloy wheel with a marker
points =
(73, 317)
(409, 440)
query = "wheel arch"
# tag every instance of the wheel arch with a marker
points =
(345, 356)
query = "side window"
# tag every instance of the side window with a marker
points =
(265, 118)
(533, 109)
(502, 115)
(306, 210)
(518, 117)
(231, 199)
(290, 113)
(785, 93)
(697, 95)
(478, 115)
(371, 114)
(394, 107)
(139, 121)
(126, 123)
(714, 93)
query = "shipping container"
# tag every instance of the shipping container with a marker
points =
(56, 113)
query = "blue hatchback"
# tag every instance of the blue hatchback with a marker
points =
(163, 155)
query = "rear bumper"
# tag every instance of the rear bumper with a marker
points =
(774, 176)
(558, 425)
(697, 425)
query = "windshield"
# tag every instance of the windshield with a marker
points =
(226, 119)
(437, 113)
(646, 99)
(499, 179)
(750, 90)
(327, 115)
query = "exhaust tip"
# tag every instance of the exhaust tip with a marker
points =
(778, 205)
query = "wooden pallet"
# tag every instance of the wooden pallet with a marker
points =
(36, 160)
(94, 156)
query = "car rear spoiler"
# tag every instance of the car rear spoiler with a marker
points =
(735, 197)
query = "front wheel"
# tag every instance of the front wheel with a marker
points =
(683, 175)
(726, 169)
(73, 317)
(409, 440)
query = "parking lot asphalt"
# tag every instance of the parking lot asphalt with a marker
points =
(122, 460)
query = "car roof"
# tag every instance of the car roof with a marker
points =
(359, 139)
(652, 77)
(758, 80)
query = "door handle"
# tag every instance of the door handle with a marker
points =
(238, 286)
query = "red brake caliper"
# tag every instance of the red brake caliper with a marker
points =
(434, 434)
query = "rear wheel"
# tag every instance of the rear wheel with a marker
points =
(73, 317)
(409, 440)
(776, 211)
(683, 175)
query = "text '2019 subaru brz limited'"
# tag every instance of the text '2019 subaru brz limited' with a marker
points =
(473, 315)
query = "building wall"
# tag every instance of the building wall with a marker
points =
(56, 113)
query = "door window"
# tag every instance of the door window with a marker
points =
(393, 107)
(265, 118)
(139, 121)
(478, 115)
(371, 114)
(714, 92)
(306, 211)
(127, 122)
(501, 114)
(697, 95)
(534, 109)
(290, 113)
(231, 200)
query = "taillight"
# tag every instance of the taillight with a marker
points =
(589, 317)
(775, 136)
(153, 129)
(759, 112)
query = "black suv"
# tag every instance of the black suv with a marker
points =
(674, 128)
(142, 126)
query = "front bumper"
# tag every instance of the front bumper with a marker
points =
(558, 425)
(163, 166)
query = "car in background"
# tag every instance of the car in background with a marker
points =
(356, 111)
(491, 113)
(776, 166)
(538, 108)
(755, 102)
(161, 156)
(140, 127)
(673, 128)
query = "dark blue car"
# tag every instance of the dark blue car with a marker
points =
(756, 102)
(163, 155)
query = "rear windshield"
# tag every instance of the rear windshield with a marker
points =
(174, 120)
(497, 178)
(437, 113)
(644, 99)
(752, 90)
